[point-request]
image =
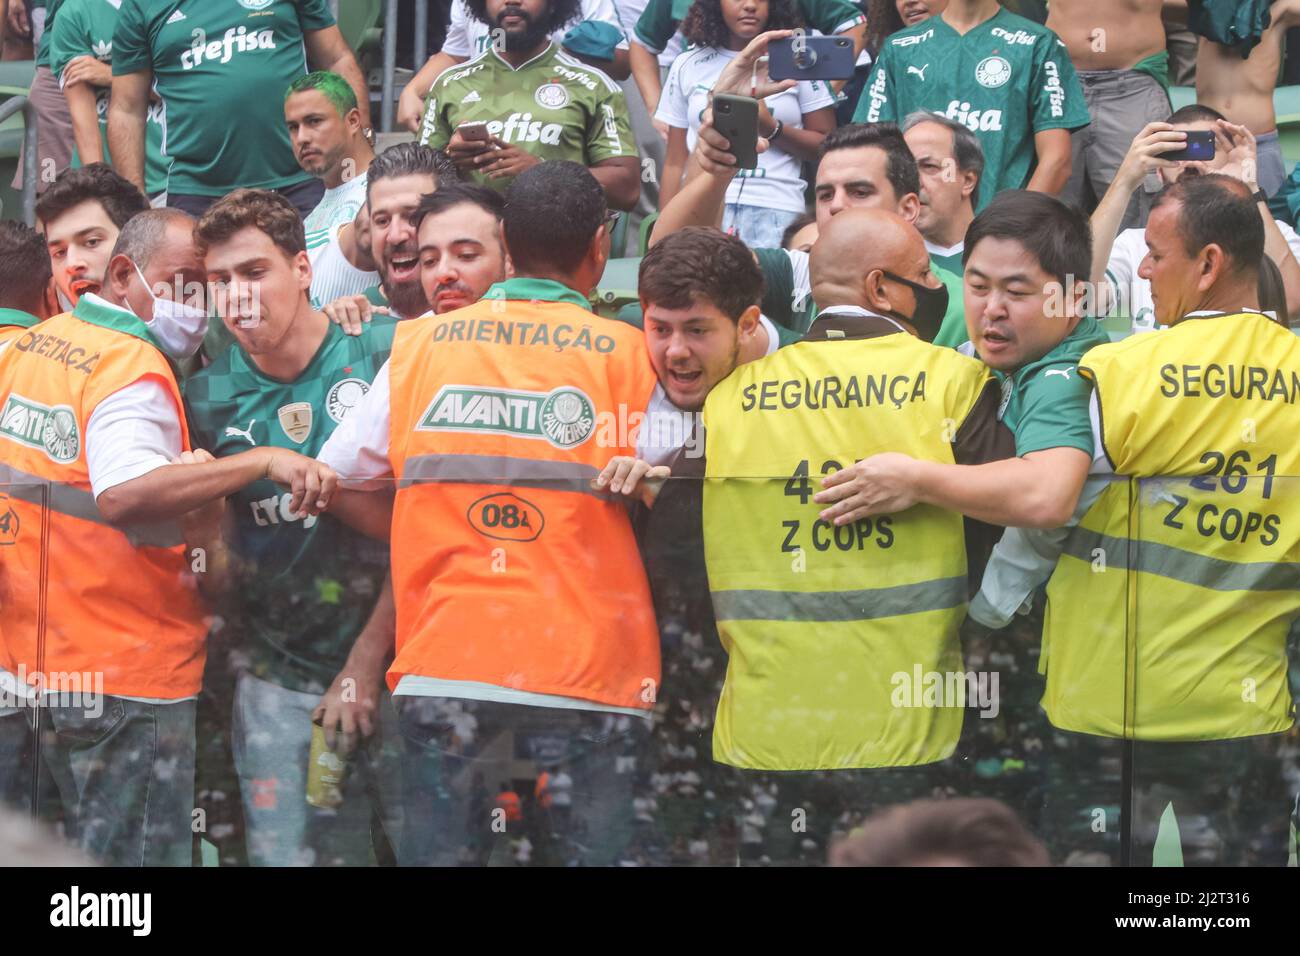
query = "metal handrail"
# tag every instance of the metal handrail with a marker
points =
(390, 65)
(30, 167)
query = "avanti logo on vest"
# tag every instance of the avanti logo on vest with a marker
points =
(51, 430)
(565, 416)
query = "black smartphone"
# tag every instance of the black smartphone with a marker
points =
(811, 58)
(736, 117)
(1199, 148)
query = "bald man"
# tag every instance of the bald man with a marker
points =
(819, 623)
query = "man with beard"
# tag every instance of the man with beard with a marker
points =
(461, 251)
(462, 254)
(399, 176)
(507, 110)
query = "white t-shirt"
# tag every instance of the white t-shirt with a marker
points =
(1130, 294)
(331, 273)
(338, 205)
(776, 183)
(468, 37)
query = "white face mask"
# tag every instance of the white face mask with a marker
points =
(178, 327)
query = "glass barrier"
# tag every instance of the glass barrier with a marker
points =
(756, 682)
(1213, 754)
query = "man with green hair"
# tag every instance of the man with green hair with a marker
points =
(329, 141)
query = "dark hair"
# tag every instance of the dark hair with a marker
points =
(552, 213)
(1272, 291)
(976, 830)
(1217, 209)
(882, 21)
(966, 150)
(141, 238)
(1057, 235)
(793, 229)
(704, 25)
(456, 194)
(1194, 113)
(258, 209)
(25, 267)
(558, 13)
(900, 165)
(119, 197)
(699, 263)
(411, 159)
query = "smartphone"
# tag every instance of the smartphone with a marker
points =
(736, 117)
(811, 58)
(1199, 148)
(474, 132)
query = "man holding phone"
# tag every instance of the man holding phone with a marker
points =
(507, 110)
(1170, 149)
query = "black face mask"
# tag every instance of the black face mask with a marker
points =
(931, 304)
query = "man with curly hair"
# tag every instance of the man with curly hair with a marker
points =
(530, 101)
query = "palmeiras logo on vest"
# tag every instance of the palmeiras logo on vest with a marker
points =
(295, 419)
(565, 416)
(51, 430)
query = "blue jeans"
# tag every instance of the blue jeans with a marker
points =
(271, 733)
(449, 782)
(124, 773)
(757, 226)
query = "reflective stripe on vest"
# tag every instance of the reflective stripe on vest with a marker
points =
(80, 595)
(1168, 613)
(508, 569)
(816, 660)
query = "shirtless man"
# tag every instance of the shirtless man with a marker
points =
(1243, 89)
(1118, 48)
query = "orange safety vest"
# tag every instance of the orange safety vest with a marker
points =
(77, 595)
(507, 568)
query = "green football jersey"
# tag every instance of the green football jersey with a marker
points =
(554, 106)
(85, 28)
(1005, 80)
(43, 48)
(221, 68)
(305, 587)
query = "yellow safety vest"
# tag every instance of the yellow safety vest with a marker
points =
(1168, 613)
(836, 636)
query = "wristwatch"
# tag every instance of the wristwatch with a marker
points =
(776, 131)
(1260, 196)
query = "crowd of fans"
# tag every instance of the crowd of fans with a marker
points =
(201, 159)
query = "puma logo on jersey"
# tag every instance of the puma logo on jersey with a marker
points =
(239, 40)
(233, 432)
(919, 72)
(1063, 372)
